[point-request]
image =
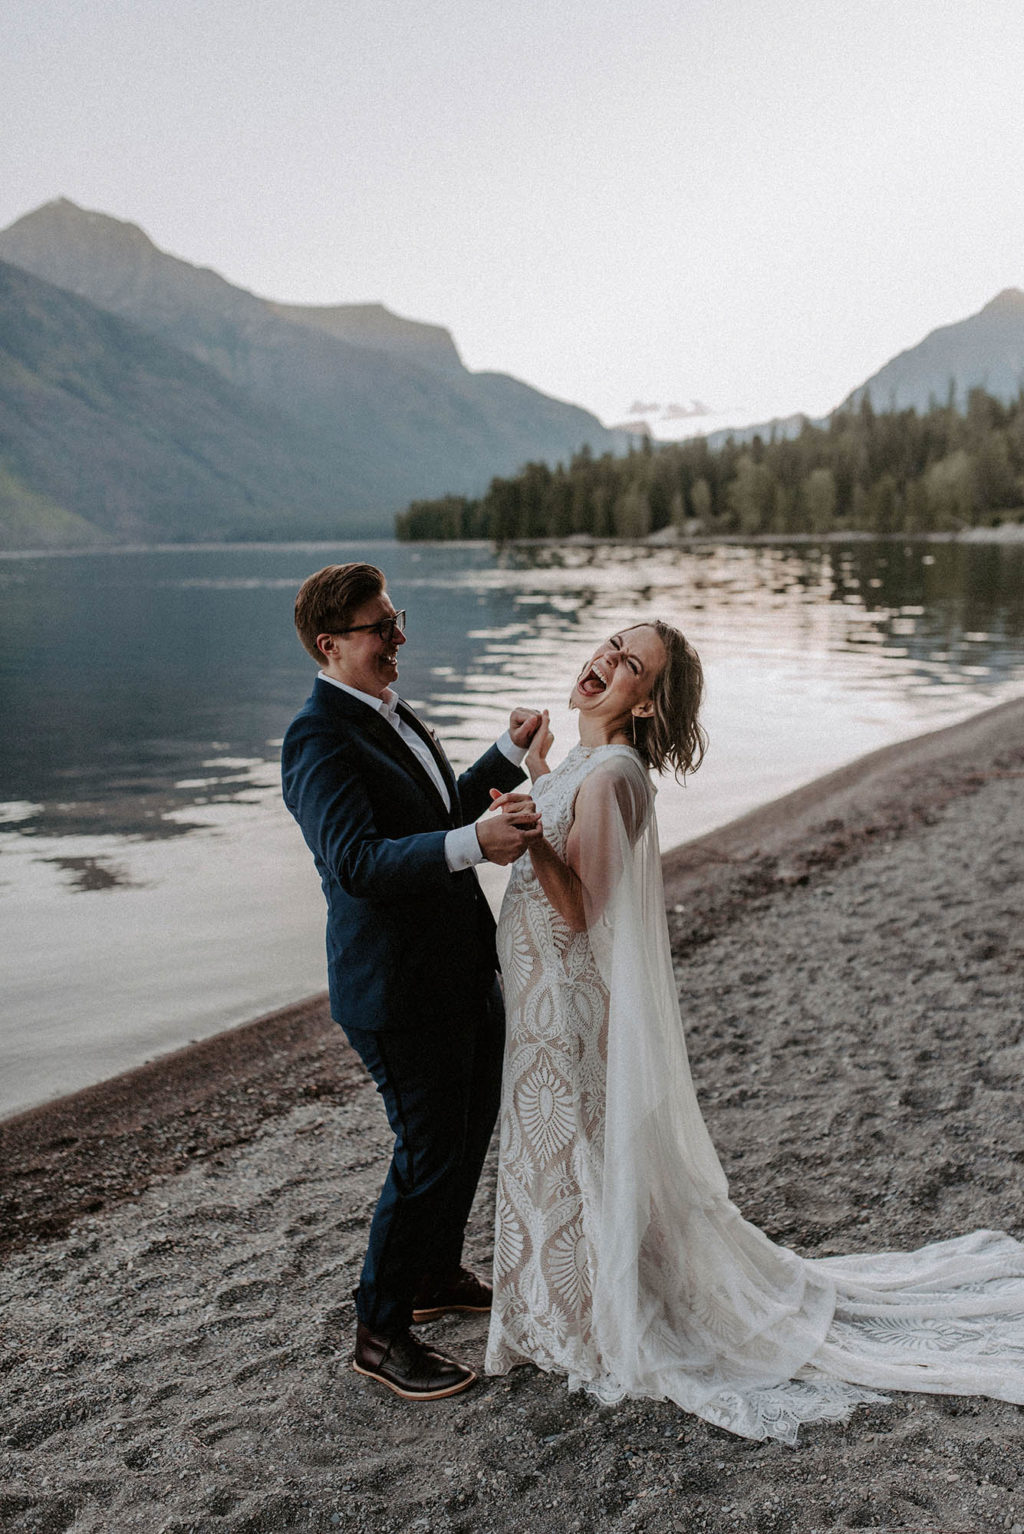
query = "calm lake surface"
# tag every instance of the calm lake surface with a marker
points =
(152, 887)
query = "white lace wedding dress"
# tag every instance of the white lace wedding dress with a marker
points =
(619, 1259)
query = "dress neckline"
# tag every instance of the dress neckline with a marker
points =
(610, 745)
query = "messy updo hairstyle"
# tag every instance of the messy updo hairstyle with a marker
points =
(672, 736)
(327, 600)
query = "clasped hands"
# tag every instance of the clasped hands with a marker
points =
(507, 835)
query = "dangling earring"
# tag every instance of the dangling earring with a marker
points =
(633, 717)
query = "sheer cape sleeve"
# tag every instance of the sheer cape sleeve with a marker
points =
(690, 1301)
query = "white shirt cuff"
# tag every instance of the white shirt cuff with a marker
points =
(461, 848)
(515, 754)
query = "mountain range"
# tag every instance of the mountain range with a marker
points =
(143, 399)
(206, 412)
(984, 351)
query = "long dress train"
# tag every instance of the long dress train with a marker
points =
(619, 1259)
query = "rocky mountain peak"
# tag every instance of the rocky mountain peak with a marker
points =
(63, 220)
(1009, 304)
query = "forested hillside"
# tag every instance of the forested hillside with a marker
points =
(384, 405)
(900, 471)
(107, 435)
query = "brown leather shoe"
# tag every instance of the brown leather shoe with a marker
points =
(464, 1291)
(409, 1367)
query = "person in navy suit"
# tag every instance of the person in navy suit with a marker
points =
(411, 960)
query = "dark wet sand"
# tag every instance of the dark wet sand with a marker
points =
(180, 1243)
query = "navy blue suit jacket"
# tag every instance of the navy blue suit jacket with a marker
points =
(407, 940)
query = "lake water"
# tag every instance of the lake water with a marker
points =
(152, 887)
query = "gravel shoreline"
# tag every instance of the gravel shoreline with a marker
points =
(179, 1245)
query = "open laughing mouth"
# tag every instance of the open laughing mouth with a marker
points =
(593, 682)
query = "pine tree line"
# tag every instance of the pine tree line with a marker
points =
(895, 472)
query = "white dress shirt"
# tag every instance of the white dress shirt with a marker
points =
(461, 847)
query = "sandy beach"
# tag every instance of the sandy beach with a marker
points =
(179, 1245)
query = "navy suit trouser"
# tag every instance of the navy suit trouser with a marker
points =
(440, 1081)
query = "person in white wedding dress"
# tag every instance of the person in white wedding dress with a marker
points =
(619, 1260)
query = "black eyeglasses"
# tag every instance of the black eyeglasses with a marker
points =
(386, 628)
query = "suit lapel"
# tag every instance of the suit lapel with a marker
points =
(427, 735)
(389, 740)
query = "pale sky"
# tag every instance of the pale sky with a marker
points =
(754, 203)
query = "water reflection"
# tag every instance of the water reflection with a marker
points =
(154, 888)
(142, 688)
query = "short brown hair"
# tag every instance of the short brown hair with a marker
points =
(327, 600)
(672, 736)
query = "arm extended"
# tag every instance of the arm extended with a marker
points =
(492, 770)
